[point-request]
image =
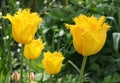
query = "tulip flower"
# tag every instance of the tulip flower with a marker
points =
(24, 25)
(52, 62)
(34, 49)
(89, 34)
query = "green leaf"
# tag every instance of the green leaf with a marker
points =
(74, 66)
(107, 79)
(116, 38)
(116, 78)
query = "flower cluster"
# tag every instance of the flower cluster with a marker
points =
(24, 26)
(89, 36)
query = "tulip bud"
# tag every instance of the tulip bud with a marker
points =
(15, 76)
(32, 76)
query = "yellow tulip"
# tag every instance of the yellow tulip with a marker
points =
(34, 49)
(52, 62)
(24, 25)
(89, 34)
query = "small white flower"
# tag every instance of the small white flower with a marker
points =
(17, 2)
(0, 27)
(55, 40)
(45, 1)
(61, 33)
(19, 45)
(0, 14)
(7, 37)
(18, 50)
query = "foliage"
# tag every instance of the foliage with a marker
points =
(101, 68)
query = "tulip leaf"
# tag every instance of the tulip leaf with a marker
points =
(116, 38)
(4, 79)
(116, 78)
(74, 66)
(107, 79)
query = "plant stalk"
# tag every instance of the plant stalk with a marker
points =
(21, 69)
(29, 69)
(50, 79)
(66, 2)
(82, 69)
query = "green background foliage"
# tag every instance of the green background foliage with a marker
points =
(103, 67)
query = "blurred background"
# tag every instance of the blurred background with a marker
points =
(103, 67)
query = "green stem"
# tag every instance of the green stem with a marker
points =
(66, 1)
(53, 41)
(29, 69)
(50, 79)
(58, 44)
(21, 69)
(44, 38)
(82, 69)
(68, 46)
